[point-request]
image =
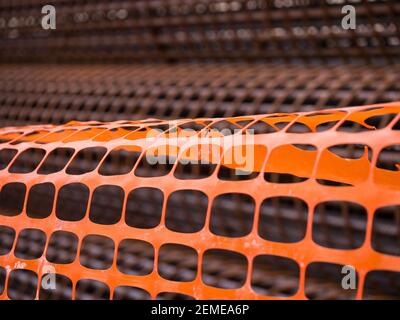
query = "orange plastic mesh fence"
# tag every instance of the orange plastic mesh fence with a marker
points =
(83, 200)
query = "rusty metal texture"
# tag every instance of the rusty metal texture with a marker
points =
(304, 31)
(34, 94)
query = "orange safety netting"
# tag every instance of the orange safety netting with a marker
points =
(301, 156)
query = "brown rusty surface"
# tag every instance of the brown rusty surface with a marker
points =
(32, 94)
(304, 31)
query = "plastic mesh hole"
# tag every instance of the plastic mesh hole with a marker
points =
(242, 162)
(382, 285)
(7, 236)
(30, 244)
(232, 215)
(62, 290)
(225, 127)
(12, 197)
(396, 126)
(6, 155)
(106, 204)
(324, 282)
(89, 289)
(177, 262)
(72, 202)
(386, 230)
(339, 224)
(351, 151)
(331, 183)
(281, 124)
(40, 200)
(380, 121)
(283, 219)
(135, 257)
(326, 126)
(228, 174)
(62, 247)
(97, 252)
(186, 211)
(193, 126)
(389, 158)
(198, 162)
(224, 269)
(275, 276)
(298, 127)
(3, 275)
(156, 162)
(22, 285)
(144, 207)
(351, 126)
(261, 127)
